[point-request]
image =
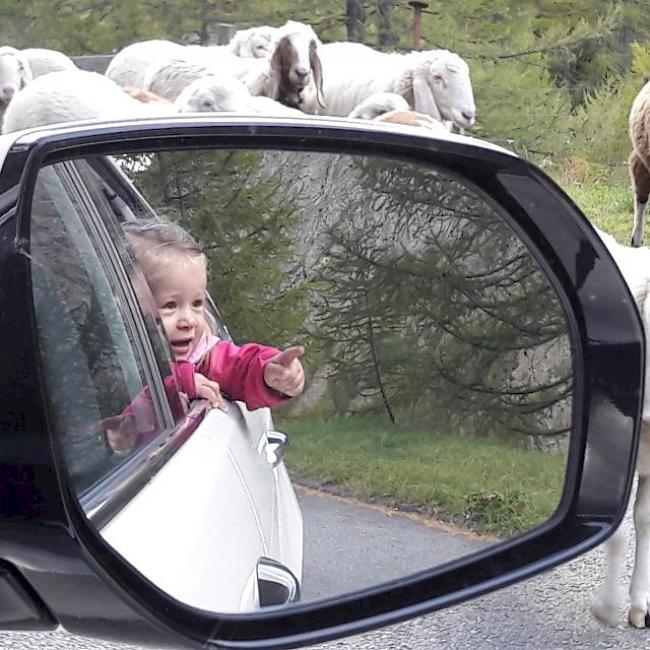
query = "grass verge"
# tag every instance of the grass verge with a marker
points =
(484, 485)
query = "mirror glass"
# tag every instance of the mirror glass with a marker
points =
(435, 414)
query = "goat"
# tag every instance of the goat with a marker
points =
(293, 64)
(634, 264)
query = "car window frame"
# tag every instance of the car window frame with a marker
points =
(113, 491)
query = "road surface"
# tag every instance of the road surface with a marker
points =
(548, 612)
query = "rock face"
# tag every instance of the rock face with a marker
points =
(484, 292)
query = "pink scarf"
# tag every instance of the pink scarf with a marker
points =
(205, 344)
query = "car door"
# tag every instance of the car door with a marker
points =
(166, 492)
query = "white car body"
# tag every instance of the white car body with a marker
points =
(236, 543)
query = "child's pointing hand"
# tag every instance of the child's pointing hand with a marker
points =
(285, 373)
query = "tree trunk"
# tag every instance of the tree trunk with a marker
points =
(375, 363)
(387, 37)
(355, 20)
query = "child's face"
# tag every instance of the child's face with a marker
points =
(179, 293)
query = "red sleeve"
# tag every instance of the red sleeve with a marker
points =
(141, 410)
(184, 378)
(239, 371)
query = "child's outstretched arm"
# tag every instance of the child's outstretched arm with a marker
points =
(241, 372)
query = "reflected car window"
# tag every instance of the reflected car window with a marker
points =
(102, 404)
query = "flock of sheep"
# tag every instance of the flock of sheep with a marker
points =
(263, 70)
(288, 71)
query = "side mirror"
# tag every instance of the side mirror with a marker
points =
(472, 354)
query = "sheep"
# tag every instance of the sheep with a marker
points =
(20, 67)
(252, 43)
(15, 74)
(72, 95)
(634, 264)
(639, 160)
(79, 95)
(292, 65)
(391, 107)
(225, 94)
(129, 65)
(169, 76)
(434, 82)
(43, 61)
(377, 104)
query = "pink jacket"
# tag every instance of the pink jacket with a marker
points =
(239, 371)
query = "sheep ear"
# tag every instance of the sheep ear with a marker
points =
(317, 71)
(423, 99)
(280, 66)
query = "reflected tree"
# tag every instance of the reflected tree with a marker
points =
(435, 310)
(245, 222)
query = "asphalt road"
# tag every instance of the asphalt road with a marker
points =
(349, 546)
(548, 612)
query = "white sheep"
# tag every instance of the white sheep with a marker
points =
(292, 65)
(129, 65)
(639, 160)
(43, 61)
(634, 264)
(79, 95)
(73, 95)
(169, 76)
(433, 82)
(221, 93)
(252, 43)
(20, 67)
(393, 108)
(377, 104)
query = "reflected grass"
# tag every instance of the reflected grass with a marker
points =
(484, 485)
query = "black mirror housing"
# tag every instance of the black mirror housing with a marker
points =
(82, 584)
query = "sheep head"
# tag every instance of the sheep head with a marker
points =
(214, 94)
(442, 88)
(15, 73)
(253, 42)
(294, 64)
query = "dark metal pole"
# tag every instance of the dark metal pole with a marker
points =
(418, 6)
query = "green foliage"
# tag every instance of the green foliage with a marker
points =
(599, 127)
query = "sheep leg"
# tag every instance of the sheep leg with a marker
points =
(640, 585)
(640, 177)
(608, 603)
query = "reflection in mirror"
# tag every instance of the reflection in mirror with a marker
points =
(436, 412)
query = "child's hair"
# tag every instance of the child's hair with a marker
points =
(153, 243)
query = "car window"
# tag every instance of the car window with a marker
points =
(114, 195)
(104, 402)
